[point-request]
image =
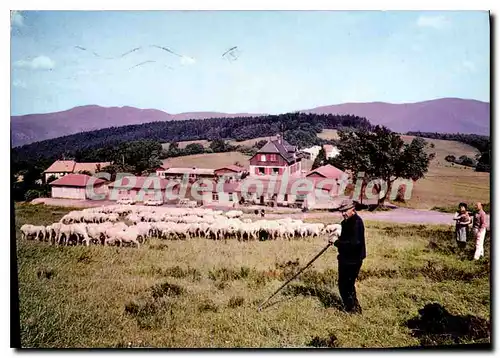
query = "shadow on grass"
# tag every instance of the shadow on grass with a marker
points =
(326, 297)
(436, 326)
(329, 342)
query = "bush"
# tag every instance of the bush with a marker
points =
(236, 301)
(450, 158)
(32, 194)
(166, 289)
(465, 160)
(207, 305)
(329, 342)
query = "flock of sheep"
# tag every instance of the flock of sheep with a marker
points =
(107, 225)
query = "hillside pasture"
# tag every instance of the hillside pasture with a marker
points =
(249, 142)
(328, 134)
(204, 293)
(208, 160)
(446, 184)
(205, 143)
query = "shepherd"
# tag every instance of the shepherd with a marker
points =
(352, 252)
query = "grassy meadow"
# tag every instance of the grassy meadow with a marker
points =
(208, 160)
(202, 293)
(446, 185)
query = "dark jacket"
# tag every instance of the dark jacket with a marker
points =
(351, 243)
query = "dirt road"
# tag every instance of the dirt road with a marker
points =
(399, 215)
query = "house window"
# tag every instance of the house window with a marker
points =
(276, 171)
(285, 197)
(230, 196)
(263, 158)
(262, 171)
(272, 157)
(215, 196)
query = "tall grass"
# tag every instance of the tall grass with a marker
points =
(203, 293)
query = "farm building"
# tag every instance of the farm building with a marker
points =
(142, 188)
(232, 171)
(226, 194)
(275, 158)
(330, 151)
(312, 152)
(74, 186)
(329, 172)
(274, 193)
(192, 173)
(63, 167)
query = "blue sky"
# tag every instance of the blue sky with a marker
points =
(287, 60)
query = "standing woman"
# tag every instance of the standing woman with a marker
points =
(463, 220)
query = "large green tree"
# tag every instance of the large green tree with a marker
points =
(220, 145)
(194, 148)
(381, 155)
(142, 155)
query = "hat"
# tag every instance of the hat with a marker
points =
(346, 205)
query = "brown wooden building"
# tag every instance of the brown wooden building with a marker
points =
(276, 157)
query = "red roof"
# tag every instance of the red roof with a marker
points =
(233, 167)
(327, 171)
(61, 166)
(76, 180)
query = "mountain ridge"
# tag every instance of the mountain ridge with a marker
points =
(444, 115)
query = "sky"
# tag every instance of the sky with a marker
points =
(283, 61)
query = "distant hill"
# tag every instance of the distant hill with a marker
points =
(446, 115)
(36, 127)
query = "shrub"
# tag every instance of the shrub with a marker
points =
(330, 342)
(32, 194)
(166, 289)
(179, 272)
(46, 273)
(236, 301)
(226, 274)
(450, 158)
(207, 305)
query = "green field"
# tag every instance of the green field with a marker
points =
(209, 160)
(202, 293)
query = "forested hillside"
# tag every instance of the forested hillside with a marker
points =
(300, 130)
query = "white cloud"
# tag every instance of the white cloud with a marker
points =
(436, 22)
(470, 66)
(185, 60)
(19, 84)
(38, 63)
